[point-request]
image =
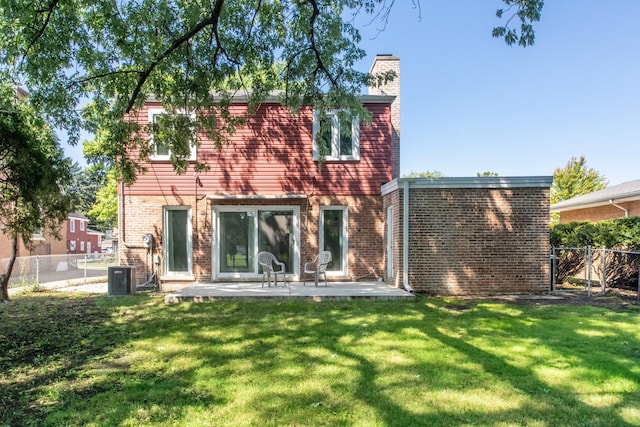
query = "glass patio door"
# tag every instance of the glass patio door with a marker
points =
(242, 232)
(236, 246)
(275, 235)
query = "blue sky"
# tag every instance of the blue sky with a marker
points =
(470, 103)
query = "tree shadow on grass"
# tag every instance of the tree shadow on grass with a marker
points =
(135, 360)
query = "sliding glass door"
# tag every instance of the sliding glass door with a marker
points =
(242, 232)
(236, 241)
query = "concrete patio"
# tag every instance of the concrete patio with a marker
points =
(203, 292)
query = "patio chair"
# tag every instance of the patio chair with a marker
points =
(317, 267)
(271, 266)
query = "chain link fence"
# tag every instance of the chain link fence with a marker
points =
(40, 269)
(596, 270)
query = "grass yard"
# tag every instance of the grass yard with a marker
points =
(71, 360)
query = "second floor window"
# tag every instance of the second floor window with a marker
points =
(336, 136)
(81, 225)
(171, 131)
(72, 226)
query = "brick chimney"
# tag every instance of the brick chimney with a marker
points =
(382, 63)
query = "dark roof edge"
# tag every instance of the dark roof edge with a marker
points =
(274, 98)
(496, 182)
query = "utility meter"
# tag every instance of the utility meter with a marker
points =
(148, 240)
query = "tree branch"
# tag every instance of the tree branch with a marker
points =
(319, 63)
(144, 75)
(49, 11)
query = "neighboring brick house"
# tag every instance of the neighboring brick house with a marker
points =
(617, 201)
(266, 191)
(75, 238)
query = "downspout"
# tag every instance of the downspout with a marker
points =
(121, 243)
(626, 211)
(405, 238)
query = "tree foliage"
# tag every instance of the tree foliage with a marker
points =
(192, 56)
(527, 12)
(575, 179)
(105, 207)
(84, 186)
(487, 174)
(33, 175)
(426, 174)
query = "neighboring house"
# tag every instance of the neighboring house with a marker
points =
(267, 191)
(75, 238)
(109, 243)
(617, 201)
(80, 239)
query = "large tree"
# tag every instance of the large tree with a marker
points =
(33, 175)
(575, 179)
(192, 55)
(105, 206)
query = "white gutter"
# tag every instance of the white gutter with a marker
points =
(405, 238)
(626, 211)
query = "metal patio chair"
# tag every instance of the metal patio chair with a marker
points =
(317, 267)
(271, 266)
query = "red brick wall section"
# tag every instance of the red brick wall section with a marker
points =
(143, 214)
(477, 241)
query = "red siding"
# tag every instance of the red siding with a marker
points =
(273, 155)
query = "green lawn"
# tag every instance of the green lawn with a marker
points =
(134, 361)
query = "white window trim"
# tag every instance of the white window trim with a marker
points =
(345, 235)
(81, 245)
(152, 112)
(72, 245)
(81, 225)
(165, 237)
(335, 137)
(38, 235)
(72, 225)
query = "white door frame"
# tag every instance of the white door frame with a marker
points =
(215, 240)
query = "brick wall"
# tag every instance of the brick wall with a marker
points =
(143, 214)
(466, 241)
(381, 64)
(601, 213)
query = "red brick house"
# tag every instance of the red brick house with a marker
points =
(616, 201)
(266, 191)
(75, 238)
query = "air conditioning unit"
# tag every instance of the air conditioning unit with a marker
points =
(122, 280)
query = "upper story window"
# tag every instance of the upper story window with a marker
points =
(38, 234)
(81, 225)
(336, 136)
(167, 130)
(72, 225)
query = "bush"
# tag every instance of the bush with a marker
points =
(622, 233)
